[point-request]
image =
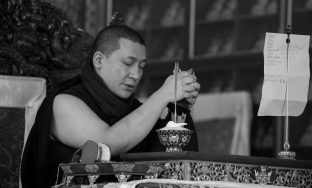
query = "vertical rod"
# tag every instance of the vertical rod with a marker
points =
(280, 121)
(286, 154)
(285, 19)
(192, 29)
(289, 12)
(176, 69)
(282, 16)
(286, 143)
(288, 31)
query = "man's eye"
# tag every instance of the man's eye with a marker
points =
(127, 63)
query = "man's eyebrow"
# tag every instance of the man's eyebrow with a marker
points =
(130, 57)
(134, 58)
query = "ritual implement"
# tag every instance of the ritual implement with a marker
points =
(176, 70)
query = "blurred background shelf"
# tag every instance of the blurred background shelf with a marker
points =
(222, 40)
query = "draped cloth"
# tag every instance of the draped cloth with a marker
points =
(215, 110)
(42, 155)
(110, 104)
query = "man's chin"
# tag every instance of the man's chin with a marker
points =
(125, 94)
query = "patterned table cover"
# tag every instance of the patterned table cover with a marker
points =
(194, 166)
(74, 174)
(192, 169)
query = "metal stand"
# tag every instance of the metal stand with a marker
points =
(286, 154)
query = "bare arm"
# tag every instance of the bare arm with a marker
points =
(74, 122)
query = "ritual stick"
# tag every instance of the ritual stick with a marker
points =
(176, 70)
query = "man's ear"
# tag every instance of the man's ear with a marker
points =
(97, 59)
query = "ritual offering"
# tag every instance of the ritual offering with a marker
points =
(174, 136)
(174, 126)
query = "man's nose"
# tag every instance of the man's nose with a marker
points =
(135, 72)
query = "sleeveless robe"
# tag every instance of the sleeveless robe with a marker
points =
(42, 155)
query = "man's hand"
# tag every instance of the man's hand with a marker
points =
(194, 93)
(184, 89)
(187, 87)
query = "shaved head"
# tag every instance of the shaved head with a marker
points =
(107, 41)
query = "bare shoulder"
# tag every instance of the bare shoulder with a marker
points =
(69, 105)
(74, 122)
(65, 101)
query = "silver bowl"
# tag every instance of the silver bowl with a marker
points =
(174, 140)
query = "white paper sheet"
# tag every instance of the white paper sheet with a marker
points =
(285, 81)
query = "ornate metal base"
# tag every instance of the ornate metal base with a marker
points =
(123, 177)
(287, 155)
(173, 149)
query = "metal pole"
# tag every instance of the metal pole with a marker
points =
(286, 25)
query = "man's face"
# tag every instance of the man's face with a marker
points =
(123, 70)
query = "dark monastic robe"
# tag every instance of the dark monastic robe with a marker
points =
(42, 155)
